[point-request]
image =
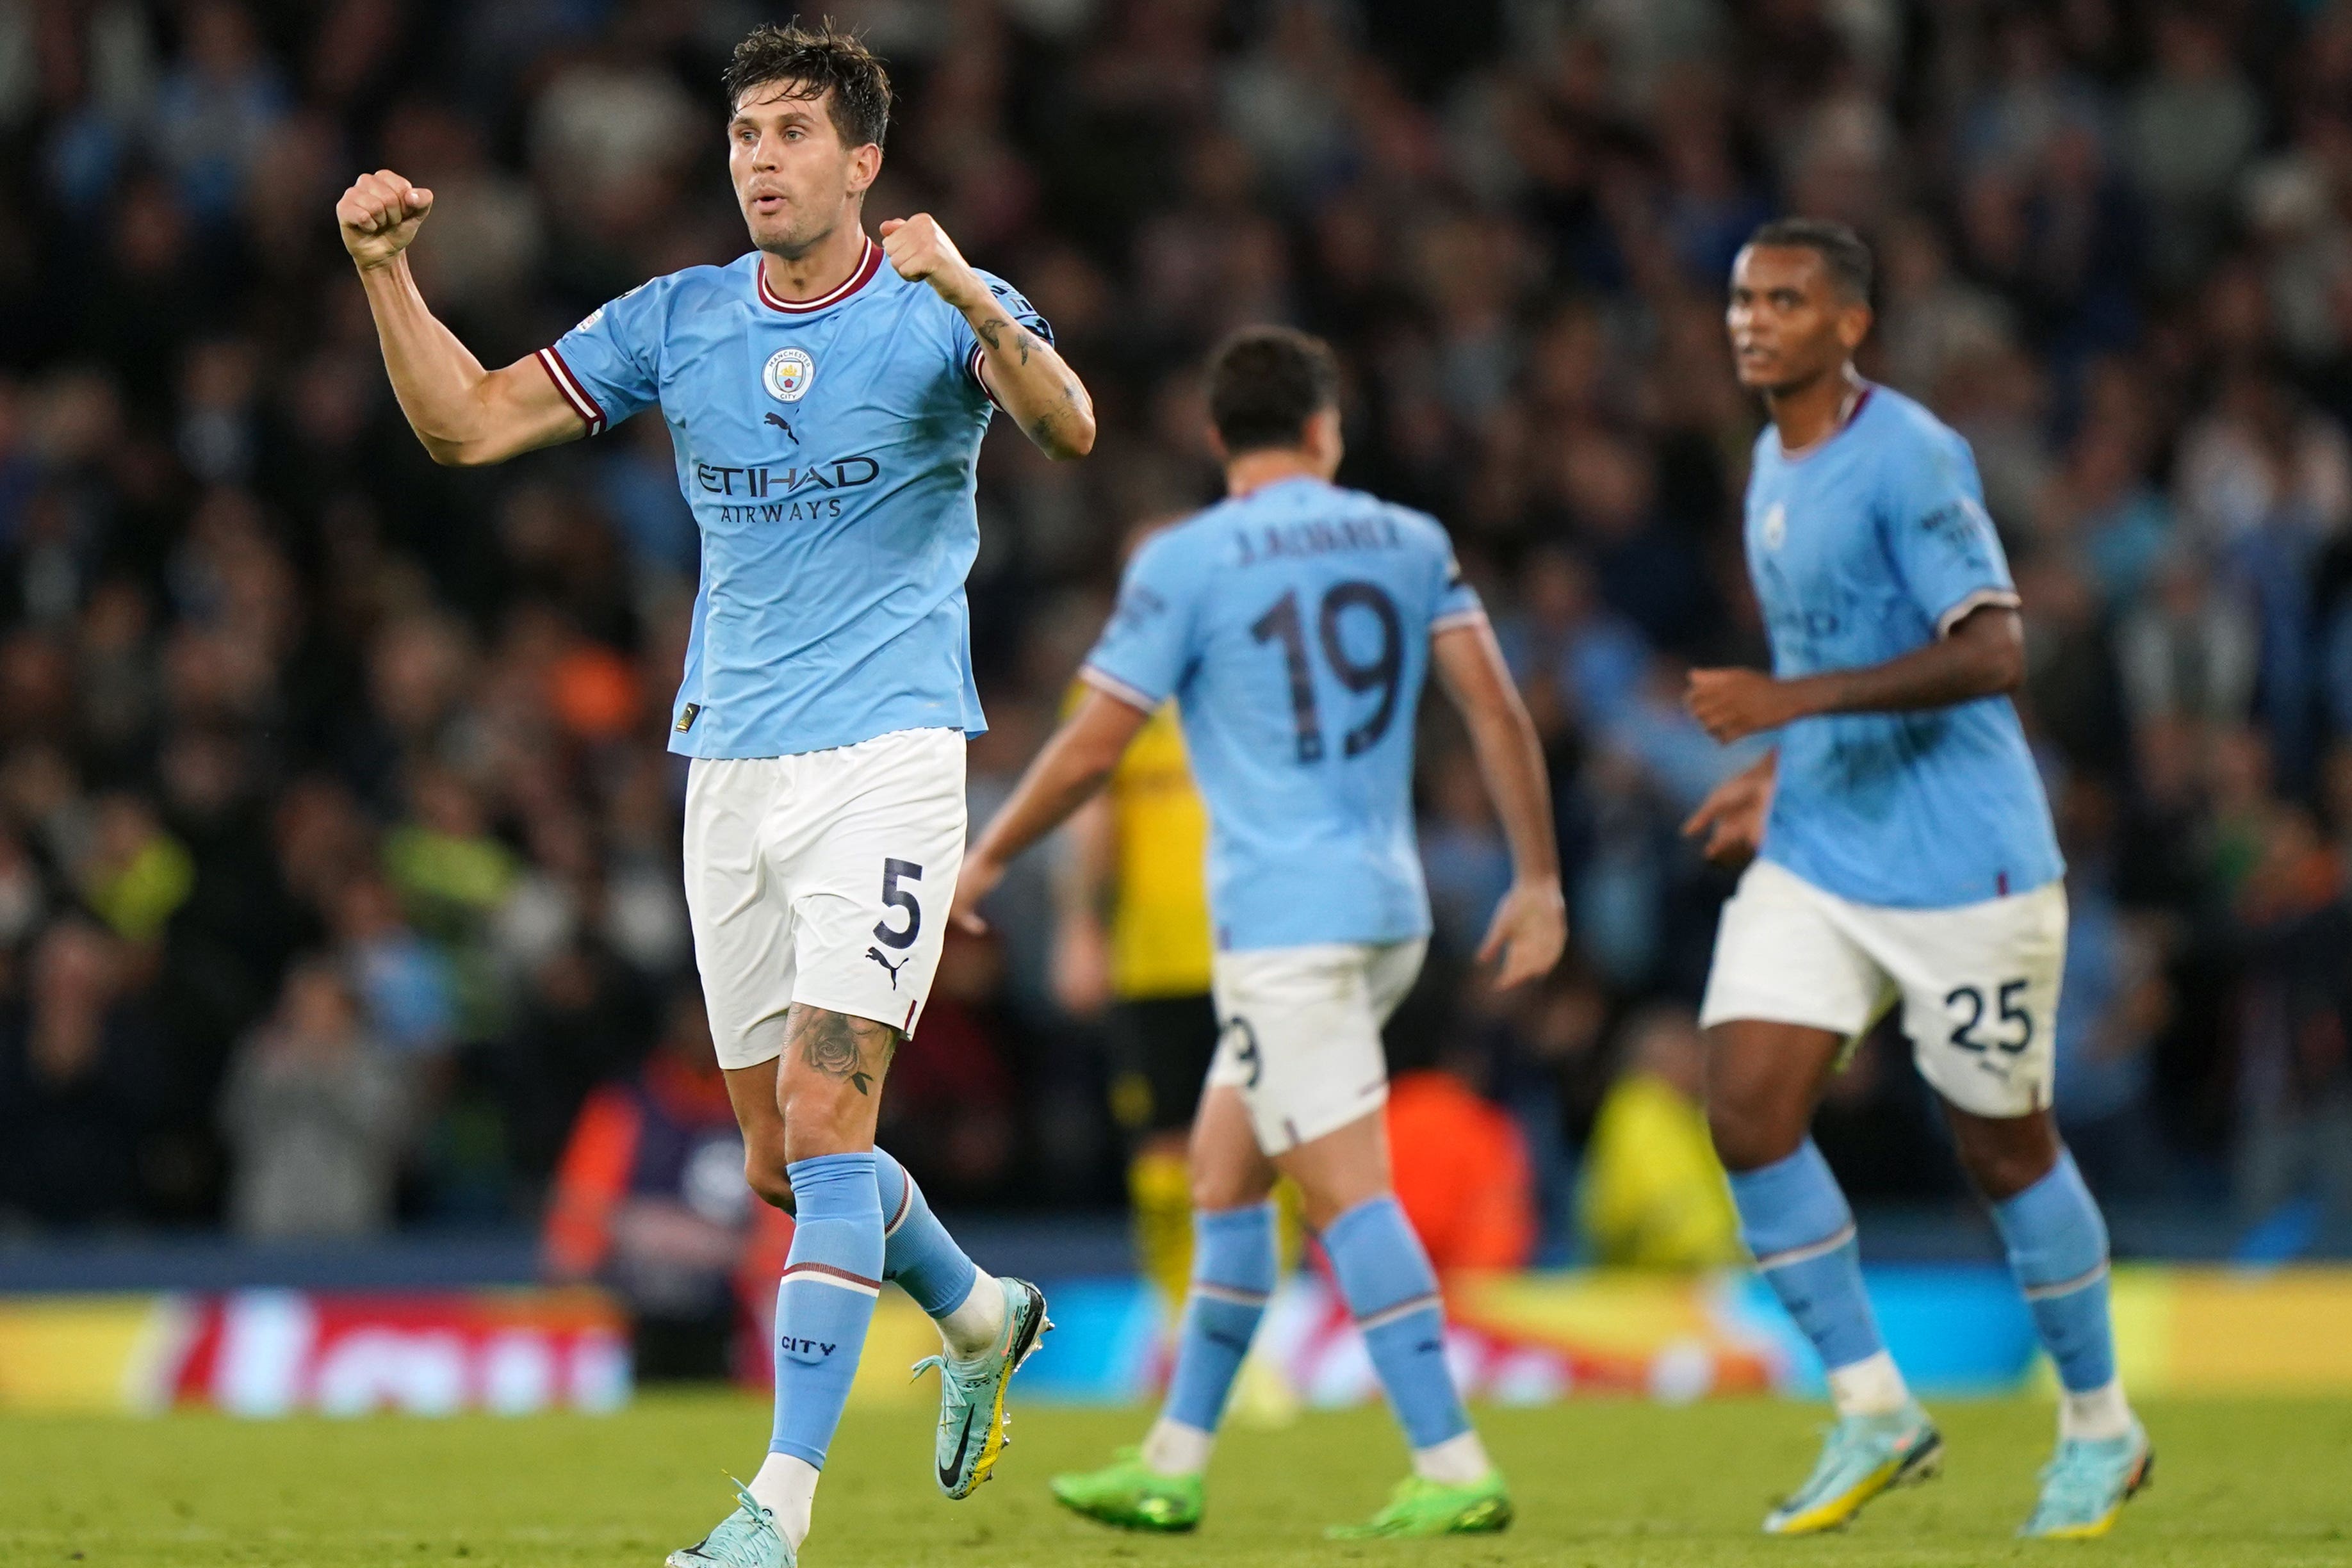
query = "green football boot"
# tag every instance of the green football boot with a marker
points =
(1419, 1509)
(1126, 1494)
(972, 1421)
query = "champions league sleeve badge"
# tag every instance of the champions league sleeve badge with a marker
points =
(790, 374)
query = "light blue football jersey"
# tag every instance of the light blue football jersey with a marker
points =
(1867, 546)
(828, 449)
(1292, 626)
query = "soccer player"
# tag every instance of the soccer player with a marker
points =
(826, 397)
(1902, 852)
(1295, 623)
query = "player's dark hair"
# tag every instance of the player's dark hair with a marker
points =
(1265, 384)
(808, 62)
(1844, 255)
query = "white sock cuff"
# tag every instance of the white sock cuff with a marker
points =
(1870, 1386)
(1172, 1448)
(2101, 1413)
(1456, 1462)
(973, 1328)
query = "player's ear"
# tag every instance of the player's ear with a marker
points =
(865, 168)
(1217, 446)
(1854, 325)
(1323, 438)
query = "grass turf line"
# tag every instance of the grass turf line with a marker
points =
(2262, 1481)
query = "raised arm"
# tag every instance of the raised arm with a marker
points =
(1022, 371)
(463, 414)
(1530, 926)
(1983, 656)
(1077, 761)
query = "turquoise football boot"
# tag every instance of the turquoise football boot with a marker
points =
(1864, 1456)
(972, 1421)
(2085, 1486)
(748, 1538)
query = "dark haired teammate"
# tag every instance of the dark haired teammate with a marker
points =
(827, 411)
(1903, 853)
(1295, 625)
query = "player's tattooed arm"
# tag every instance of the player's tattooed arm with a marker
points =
(1022, 371)
(1031, 381)
(851, 1050)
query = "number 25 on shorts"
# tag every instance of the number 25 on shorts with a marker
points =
(1968, 1004)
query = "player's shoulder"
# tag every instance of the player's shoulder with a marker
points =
(1904, 426)
(686, 288)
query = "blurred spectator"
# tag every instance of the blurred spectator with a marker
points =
(80, 1086)
(314, 1112)
(1654, 1195)
(649, 1199)
(1461, 1169)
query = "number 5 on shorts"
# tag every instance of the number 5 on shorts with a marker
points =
(897, 898)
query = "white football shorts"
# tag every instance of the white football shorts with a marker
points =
(1299, 1033)
(1979, 984)
(822, 878)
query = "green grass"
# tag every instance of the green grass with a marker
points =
(2254, 1481)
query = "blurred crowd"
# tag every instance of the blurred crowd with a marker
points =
(338, 846)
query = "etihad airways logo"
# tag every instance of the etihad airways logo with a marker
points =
(776, 492)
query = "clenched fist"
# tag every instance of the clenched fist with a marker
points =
(922, 253)
(380, 215)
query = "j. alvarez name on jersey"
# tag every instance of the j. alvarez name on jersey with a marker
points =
(1316, 536)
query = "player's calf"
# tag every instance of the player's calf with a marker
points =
(1385, 1276)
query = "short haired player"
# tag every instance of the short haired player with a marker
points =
(1903, 853)
(826, 411)
(1295, 623)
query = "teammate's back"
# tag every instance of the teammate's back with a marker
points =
(1292, 624)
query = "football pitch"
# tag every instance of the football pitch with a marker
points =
(1600, 1483)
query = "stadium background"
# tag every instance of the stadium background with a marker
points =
(338, 846)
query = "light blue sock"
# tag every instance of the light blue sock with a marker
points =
(1796, 1222)
(1392, 1292)
(917, 1251)
(1234, 1261)
(825, 1299)
(2058, 1251)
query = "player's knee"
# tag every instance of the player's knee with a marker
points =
(764, 1168)
(1215, 1189)
(1748, 1138)
(2005, 1164)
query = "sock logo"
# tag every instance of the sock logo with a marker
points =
(810, 1351)
(875, 954)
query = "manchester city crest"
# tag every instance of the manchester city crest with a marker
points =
(1776, 523)
(790, 374)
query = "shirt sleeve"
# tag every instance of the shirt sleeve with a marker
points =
(1145, 649)
(966, 344)
(608, 367)
(1458, 604)
(1940, 537)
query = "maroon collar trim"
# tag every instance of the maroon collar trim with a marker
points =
(868, 266)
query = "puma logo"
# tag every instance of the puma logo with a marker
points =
(781, 423)
(875, 953)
